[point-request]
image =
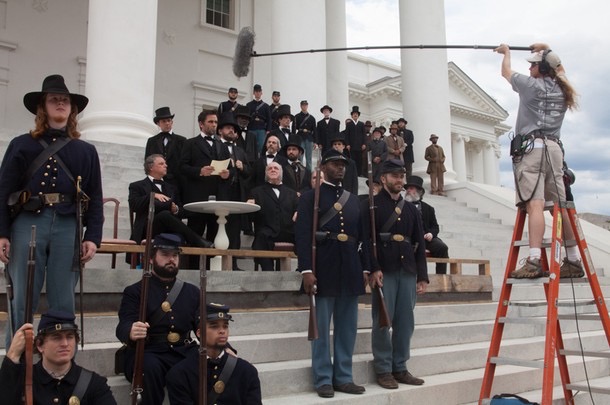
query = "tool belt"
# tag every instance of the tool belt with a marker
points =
(173, 338)
(541, 135)
(393, 237)
(321, 236)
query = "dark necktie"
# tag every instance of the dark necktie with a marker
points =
(159, 183)
(297, 173)
(270, 156)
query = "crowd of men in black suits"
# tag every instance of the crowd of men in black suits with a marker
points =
(250, 137)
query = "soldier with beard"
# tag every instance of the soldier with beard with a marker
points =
(172, 307)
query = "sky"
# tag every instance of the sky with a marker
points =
(576, 31)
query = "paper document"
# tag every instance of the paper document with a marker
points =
(219, 165)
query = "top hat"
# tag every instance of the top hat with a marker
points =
(416, 182)
(167, 241)
(293, 140)
(56, 321)
(433, 136)
(392, 166)
(162, 113)
(337, 137)
(282, 110)
(227, 118)
(53, 84)
(326, 107)
(333, 155)
(243, 111)
(355, 109)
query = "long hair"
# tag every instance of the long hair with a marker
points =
(569, 94)
(42, 120)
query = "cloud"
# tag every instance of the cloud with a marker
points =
(579, 36)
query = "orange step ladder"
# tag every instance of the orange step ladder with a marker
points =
(553, 346)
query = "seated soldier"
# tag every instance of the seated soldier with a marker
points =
(56, 378)
(415, 193)
(230, 380)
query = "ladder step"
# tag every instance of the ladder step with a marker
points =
(522, 320)
(527, 281)
(586, 388)
(587, 353)
(517, 362)
(580, 317)
(546, 243)
(543, 303)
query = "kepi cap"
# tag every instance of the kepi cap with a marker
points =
(56, 321)
(392, 166)
(167, 241)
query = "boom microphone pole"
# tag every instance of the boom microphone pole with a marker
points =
(245, 45)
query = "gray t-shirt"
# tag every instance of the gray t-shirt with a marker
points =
(541, 107)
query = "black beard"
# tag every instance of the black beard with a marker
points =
(167, 271)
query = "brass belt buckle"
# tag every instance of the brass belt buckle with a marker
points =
(51, 198)
(342, 237)
(173, 337)
(398, 237)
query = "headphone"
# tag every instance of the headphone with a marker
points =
(544, 67)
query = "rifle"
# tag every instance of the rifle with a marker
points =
(203, 349)
(312, 332)
(9, 300)
(29, 318)
(82, 201)
(384, 317)
(137, 384)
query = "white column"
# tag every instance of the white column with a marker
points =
(301, 76)
(120, 84)
(425, 82)
(490, 163)
(337, 95)
(459, 156)
(478, 166)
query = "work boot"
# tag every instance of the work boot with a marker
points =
(387, 381)
(350, 388)
(405, 377)
(531, 269)
(325, 391)
(571, 269)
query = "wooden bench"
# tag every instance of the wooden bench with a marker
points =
(455, 264)
(227, 255)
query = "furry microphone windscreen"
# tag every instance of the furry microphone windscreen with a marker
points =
(243, 52)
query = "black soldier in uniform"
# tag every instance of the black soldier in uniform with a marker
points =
(56, 376)
(231, 380)
(172, 307)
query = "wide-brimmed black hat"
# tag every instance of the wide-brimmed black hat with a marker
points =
(53, 84)
(227, 118)
(392, 166)
(333, 155)
(56, 321)
(415, 181)
(355, 109)
(162, 113)
(326, 107)
(167, 241)
(293, 140)
(282, 110)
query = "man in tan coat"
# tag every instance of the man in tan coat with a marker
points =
(396, 145)
(436, 168)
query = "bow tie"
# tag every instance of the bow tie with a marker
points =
(270, 156)
(56, 133)
(276, 186)
(209, 138)
(156, 181)
(285, 130)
